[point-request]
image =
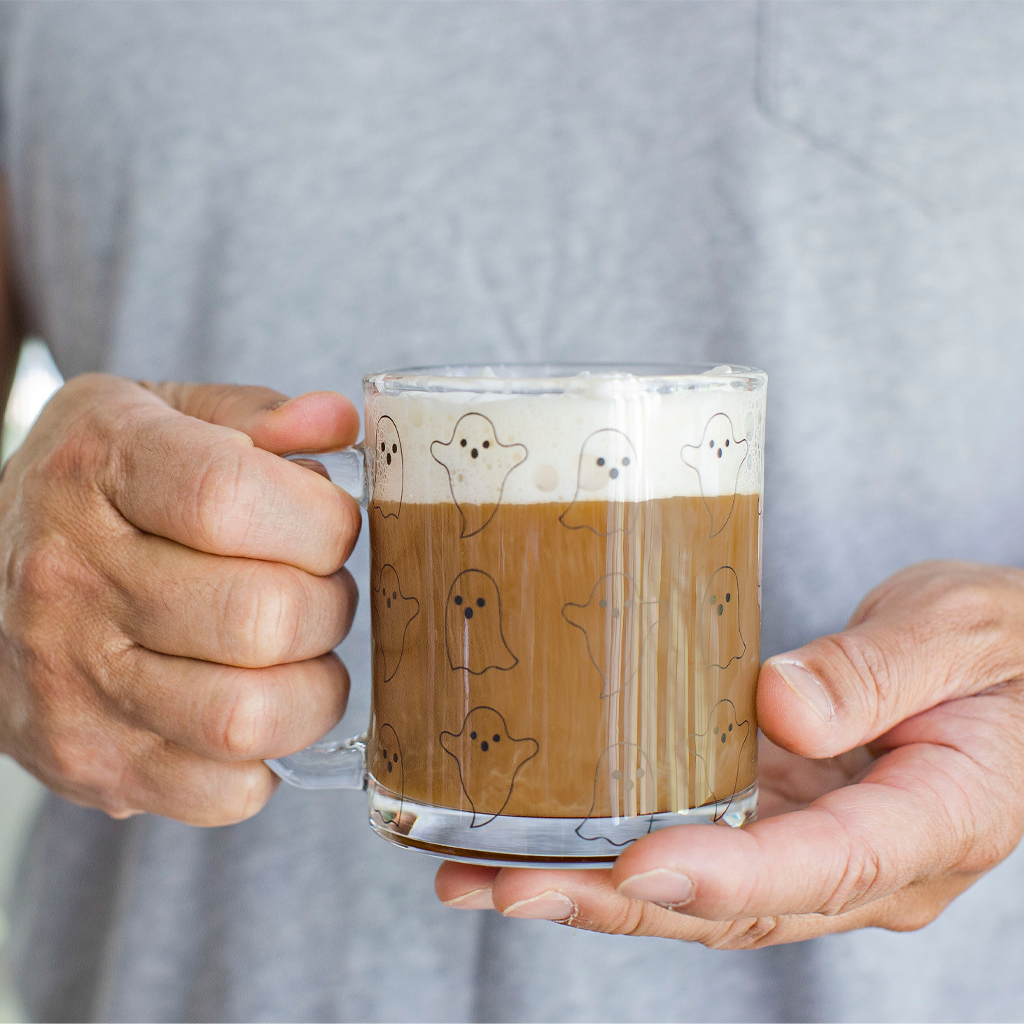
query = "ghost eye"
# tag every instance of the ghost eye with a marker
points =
(385, 755)
(625, 461)
(616, 774)
(487, 444)
(463, 442)
(496, 738)
(394, 595)
(730, 727)
(600, 462)
(383, 447)
(472, 735)
(394, 448)
(726, 444)
(727, 597)
(716, 730)
(458, 599)
(711, 443)
(602, 603)
(713, 599)
(639, 773)
(480, 602)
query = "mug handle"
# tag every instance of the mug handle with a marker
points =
(331, 764)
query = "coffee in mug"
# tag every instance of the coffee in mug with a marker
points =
(565, 603)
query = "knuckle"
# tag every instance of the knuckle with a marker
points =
(746, 933)
(861, 658)
(79, 453)
(42, 569)
(630, 917)
(969, 602)
(248, 795)
(247, 725)
(65, 759)
(74, 762)
(858, 879)
(224, 502)
(277, 623)
(262, 619)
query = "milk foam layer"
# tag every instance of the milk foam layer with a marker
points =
(563, 447)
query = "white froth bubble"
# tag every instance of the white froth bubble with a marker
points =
(545, 478)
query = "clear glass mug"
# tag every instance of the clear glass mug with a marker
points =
(565, 604)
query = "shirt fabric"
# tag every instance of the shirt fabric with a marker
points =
(296, 194)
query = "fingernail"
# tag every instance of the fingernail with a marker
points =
(807, 688)
(548, 906)
(274, 406)
(475, 899)
(661, 885)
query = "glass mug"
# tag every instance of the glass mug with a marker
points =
(565, 601)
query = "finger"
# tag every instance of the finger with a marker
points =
(209, 488)
(124, 770)
(178, 784)
(232, 714)
(911, 819)
(936, 631)
(589, 900)
(234, 611)
(465, 886)
(317, 421)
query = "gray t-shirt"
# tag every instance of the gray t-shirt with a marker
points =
(296, 194)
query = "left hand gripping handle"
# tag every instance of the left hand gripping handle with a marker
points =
(331, 764)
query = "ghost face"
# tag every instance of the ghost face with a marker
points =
(624, 787)
(477, 464)
(388, 769)
(717, 461)
(474, 637)
(615, 623)
(720, 751)
(489, 760)
(388, 469)
(608, 474)
(392, 613)
(720, 619)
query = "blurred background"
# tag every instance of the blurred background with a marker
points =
(36, 380)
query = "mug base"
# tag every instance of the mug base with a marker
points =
(508, 841)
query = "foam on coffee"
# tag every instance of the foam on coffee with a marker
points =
(534, 448)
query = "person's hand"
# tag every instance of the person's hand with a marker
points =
(895, 780)
(170, 594)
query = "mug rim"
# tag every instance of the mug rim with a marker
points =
(562, 378)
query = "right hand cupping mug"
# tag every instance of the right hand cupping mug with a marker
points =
(565, 598)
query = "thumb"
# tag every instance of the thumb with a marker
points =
(317, 421)
(931, 633)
